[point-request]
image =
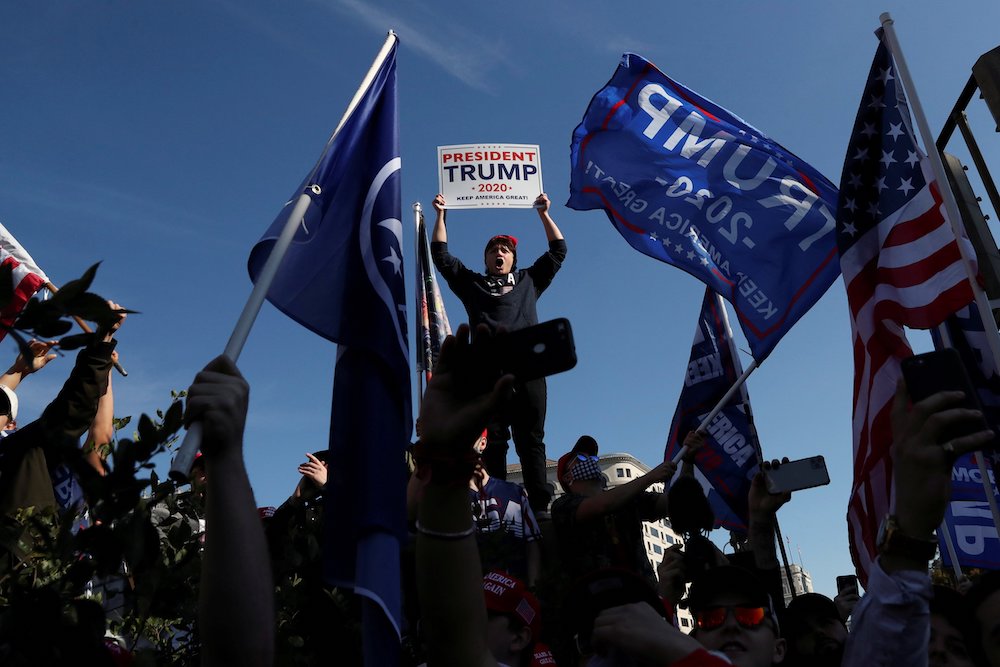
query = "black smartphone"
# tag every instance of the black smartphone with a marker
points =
(538, 351)
(797, 475)
(528, 354)
(942, 370)
(847, 583)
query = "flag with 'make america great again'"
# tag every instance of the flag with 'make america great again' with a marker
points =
(691, 184)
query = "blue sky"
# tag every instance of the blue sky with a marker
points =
(163, 137)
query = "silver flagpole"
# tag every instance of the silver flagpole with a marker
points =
(181, 467)
(992, 335)
(724, 401)
(418, 214)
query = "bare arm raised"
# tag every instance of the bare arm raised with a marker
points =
(542, 205)
(440, 233)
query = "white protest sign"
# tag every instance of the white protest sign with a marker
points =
(489, 175)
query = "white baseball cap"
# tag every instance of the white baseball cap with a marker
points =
(11, 398)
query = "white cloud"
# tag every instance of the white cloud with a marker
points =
(469, 57)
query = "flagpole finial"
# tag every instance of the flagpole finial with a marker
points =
(417, 207)
(884, 18)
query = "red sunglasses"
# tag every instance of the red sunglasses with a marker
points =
(713, 617)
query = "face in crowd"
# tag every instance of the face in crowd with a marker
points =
(984, 606)
(732, 624)
(947, 645)
(499, 258)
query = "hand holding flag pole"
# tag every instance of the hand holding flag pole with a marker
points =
(181, 467)
(723, 402)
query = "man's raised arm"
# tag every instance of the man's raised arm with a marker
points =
(440, 233)
(542, 205)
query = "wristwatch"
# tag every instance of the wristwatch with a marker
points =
(892, 541)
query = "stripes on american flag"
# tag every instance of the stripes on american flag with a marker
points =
(28, 278)
(902, 267)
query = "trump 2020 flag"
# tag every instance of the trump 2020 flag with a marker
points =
(968, 518)
(343, 279)
(731, 455)
(691, 184)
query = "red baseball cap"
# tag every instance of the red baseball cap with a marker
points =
(506, 594)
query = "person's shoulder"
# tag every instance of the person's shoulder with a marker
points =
(512, 487)
(565, 503)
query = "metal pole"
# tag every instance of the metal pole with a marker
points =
(181, 467)
(950, 546)
(977, 159)
(954, 217)
(418, 215)
(718, 408)
(963, 101)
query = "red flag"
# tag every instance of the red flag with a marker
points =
(902, 267)
(28, 278)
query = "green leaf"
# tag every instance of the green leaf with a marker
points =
(75, 288)
(37, 311)
(147, 430)
(75, 341)
(174, 418)
(89, 306)
(52, 328)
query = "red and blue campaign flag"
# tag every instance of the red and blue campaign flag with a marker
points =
(343, 279)
(693, 185)
(968, 518)
(432, 327)
(902, 268)
(731, 455)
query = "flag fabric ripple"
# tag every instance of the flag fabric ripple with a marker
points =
(901, 266)
(343, 279)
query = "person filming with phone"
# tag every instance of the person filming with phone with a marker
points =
(892, 623)
(506, 296)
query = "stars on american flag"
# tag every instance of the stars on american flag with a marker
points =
(883, 163)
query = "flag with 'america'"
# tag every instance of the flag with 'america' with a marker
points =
(901, 266)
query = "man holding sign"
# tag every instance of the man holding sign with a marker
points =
(506, 296)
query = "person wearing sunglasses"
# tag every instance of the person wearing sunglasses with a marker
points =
(734, 615)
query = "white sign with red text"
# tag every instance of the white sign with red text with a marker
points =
(489, 175)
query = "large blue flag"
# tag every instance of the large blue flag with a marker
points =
(731, 455)
(343, 279)
(968, 518)
(691, 184)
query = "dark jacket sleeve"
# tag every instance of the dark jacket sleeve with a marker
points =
(459, 278)
(545, 267)
(70, 414)
(31, 451)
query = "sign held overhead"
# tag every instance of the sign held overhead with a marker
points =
(490, 175)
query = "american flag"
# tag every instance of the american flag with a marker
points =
(28, 278)
(901, 266)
